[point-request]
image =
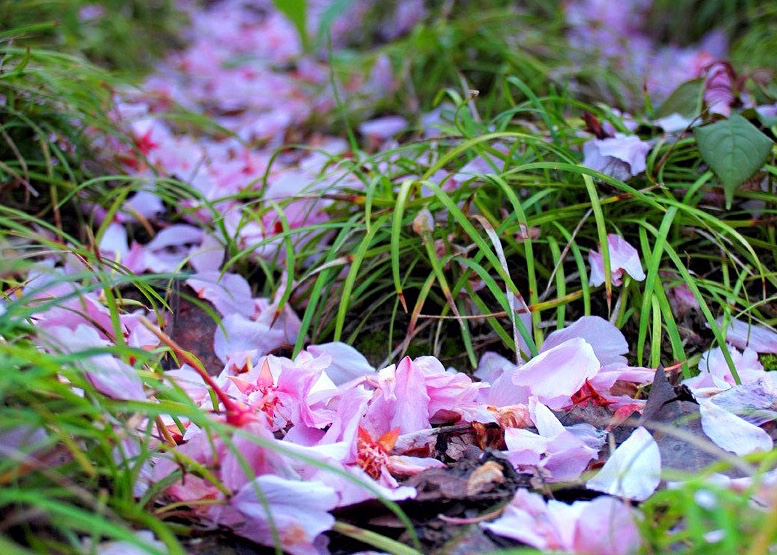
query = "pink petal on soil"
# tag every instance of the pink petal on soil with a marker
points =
(633, 470)
(732, 433)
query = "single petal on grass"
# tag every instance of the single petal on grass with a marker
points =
(633, 470)
(299, 509)
(758, 338)
(732, 433)
(555, 375)
(623, 259)
(619, 157)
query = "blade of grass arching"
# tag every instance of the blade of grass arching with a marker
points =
(497, 292)
(464, 222)
(655, 346)
(492, 322)
(423, 293)
(503, 261)
(528, 254)
(289, 247)
(358, 258)
(712, 222)
(601, 230)
(582, 270)
(654, 263)
(716, 329)
(70, 516)
(561, 286)
(537, 105)
(374, 539)
(396, 231)
(440, 275)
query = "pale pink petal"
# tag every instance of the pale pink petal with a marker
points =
(633, 470)
(606, 527)
(106, 373)
(623, 258)
(558, 373)
(347, 363)
(383, 128)
(755, 402)
(732, 433)
(526, 519)
(403, 465)
(758, 338)
(229, 293)
(240, 334)
(620, 157)
(608, 342)
(300, 512)
(402, 401)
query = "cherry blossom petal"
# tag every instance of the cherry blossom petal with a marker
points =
(732, 433)
(106, 373)
(556, 374)
(300, 512)
(608, 342)
(347, 363)
(758, 338)
(633, 470)
(623, 258)
(229, 293)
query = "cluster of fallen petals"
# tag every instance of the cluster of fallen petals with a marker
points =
(326, 429)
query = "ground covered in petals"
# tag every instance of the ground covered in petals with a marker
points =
(411, 277)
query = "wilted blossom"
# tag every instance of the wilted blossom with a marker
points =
(718, 85)
(623, 259)
(620, 157)
(604, 526)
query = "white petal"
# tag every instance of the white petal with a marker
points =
(634, 469)
(732, 433)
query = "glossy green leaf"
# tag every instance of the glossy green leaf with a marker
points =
(735, 149)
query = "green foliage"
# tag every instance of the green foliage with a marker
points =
(125, 35)
(735, 149)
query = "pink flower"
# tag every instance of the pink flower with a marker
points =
(623, 258)
(620, 157)
(604, 526)
(715, 373)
